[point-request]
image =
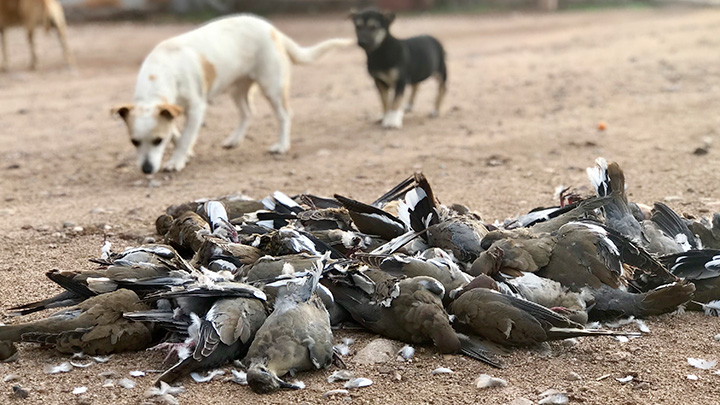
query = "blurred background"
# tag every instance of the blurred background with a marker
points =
(112, 9)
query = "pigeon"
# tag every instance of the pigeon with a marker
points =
(95, 326)
(297, 336)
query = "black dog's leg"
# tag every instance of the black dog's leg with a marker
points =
(394, 117)
(411, 101)
(384, 91)
(442, 88)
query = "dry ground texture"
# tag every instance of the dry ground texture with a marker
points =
(526, 94)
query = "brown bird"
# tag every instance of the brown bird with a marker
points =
(408, 309)
(513, 321)
(584, 255)
(522, 251)
(185, 233)
(95, 326)
(295, 337)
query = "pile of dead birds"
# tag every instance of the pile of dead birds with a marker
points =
(264, 282)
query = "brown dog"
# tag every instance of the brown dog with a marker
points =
(30, 14)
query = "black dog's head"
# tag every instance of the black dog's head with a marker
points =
(372, 27)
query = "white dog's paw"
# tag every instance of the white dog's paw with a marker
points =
(279, 148)
(174, 165)
(393, 119)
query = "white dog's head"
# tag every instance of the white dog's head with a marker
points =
(150, 127)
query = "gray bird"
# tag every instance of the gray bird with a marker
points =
(295, 337)
(143, 269)
(222, 335)
(702, 268)
(434, 262)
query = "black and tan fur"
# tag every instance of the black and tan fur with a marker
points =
(395, 63)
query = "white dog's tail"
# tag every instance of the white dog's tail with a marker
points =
(303, 55)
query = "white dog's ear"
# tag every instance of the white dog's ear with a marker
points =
(169, 111)
(123, 111)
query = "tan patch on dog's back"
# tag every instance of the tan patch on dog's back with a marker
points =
(275, 36)
(152, 78)
(209, 73)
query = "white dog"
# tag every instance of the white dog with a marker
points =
(183, 73)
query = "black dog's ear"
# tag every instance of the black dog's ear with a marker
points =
(389, 16)
(352, 13)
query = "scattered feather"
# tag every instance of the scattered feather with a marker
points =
(642, 326)
(62, 368)
(108, 383)
(593, 325)
(407, 352)
(137, 373)
(692, 377)
(626, 379)
(620, 322)
(622, 339)
(487, 381)
(348, 341)
(78, 355)
(358, 383)
(342, 349)
(105, 250)
(198, 378)
(712, 308)
(553, 396)
(238, 377)
(127, 383)
(79, 390)
(108, 374)
(101, 359)
(299, 384)
(80, 365)
(717, 337)
(11, 377)
(164, 389)
(702, 364)
(602, 377)
(335, 392)
(441, 370)
(340, 375)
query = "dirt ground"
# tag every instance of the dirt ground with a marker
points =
(526, 94)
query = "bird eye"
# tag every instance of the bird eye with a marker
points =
(135, 142)
(157, 141)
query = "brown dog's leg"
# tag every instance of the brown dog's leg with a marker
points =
(58, 19)
(3, 38)
(31, 43)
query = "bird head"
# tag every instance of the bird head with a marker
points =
(263, 381)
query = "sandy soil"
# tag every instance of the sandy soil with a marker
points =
(526, 95)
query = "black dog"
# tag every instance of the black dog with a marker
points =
(393, 62)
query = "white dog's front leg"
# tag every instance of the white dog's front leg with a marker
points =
(393, 119)
(184, 145)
